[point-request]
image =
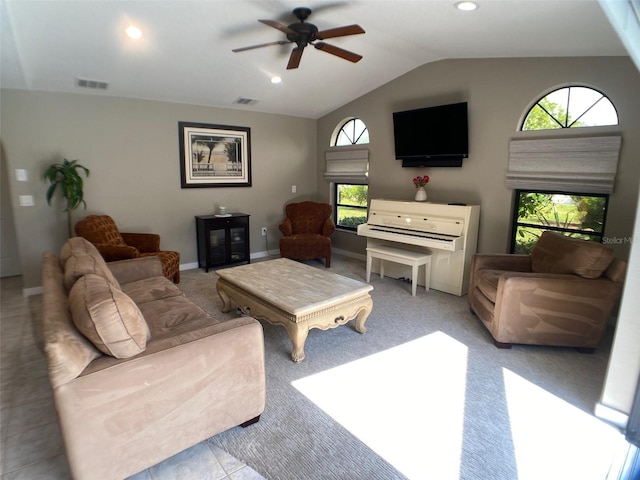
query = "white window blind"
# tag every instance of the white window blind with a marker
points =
(347, 166)
(583, 165)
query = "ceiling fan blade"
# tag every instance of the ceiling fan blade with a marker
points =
(278, 26)
(279, 42)
(340, 32)
(294, 59)
(339, 52)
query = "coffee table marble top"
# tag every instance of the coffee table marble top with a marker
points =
(296, 296)
(293, 286)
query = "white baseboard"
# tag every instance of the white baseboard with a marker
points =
(188, 266)
(253, 256)
(27, 292)
(264, 254)
(347, 253)
(611, 415)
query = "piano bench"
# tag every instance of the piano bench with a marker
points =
(404, 257)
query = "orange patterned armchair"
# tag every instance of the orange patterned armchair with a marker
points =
(113, 245)
(306, 231)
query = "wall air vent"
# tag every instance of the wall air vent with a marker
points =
(245, 101)
(95, 84)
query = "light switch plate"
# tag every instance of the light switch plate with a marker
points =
(26, 200)
(293, 189)
(21, 175)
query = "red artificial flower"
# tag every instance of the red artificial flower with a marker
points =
(421, 181)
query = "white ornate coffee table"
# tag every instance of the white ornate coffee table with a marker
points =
(295, 295)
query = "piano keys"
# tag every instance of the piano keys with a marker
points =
(449, 232)
(414, 237)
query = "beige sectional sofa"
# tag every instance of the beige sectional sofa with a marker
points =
(139, 372)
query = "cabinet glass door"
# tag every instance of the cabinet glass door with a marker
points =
(217, 248)
(238, 244)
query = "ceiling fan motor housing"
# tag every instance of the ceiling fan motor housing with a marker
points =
(304, 33)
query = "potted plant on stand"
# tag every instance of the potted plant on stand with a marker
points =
(67, 176)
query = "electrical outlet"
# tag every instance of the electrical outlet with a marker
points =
(264, 231)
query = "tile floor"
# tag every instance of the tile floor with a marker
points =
(30, 443)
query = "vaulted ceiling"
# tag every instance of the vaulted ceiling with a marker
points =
(185, 54)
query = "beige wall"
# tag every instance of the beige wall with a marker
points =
(131, 148)
(498, 91)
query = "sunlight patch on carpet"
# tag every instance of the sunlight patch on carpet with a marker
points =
(552, 438)
(405, 403)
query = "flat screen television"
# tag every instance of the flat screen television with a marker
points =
(432, 137)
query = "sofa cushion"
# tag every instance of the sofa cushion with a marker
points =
(555, 253)
(487, 282)
(151, 289)
(108, 317)
(80, 264)
(77, 245)
(169, 312)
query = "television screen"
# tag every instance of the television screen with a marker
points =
(433, 136)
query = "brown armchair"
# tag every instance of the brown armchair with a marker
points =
(562, 294)
(114, 245)
(306, 231)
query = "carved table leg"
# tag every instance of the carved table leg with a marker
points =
(298, 334)
(363, 314)
(226, 300)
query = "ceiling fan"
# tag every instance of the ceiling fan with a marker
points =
(303, 34)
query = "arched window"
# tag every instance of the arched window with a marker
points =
(349, 193)
(571, 107)
(352, 132)
(564, 200)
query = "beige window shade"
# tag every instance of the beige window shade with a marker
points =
(347, 166)
(584, 165)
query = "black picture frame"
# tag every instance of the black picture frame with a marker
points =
(214, 155)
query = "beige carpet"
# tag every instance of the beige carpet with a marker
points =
(423, 394)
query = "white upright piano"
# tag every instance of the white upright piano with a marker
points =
(449, 232)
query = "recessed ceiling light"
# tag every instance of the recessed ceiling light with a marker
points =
(466, 6)
(275, 80)
(133, 32)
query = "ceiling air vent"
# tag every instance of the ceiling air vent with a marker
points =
(96, 84)
(245, 101)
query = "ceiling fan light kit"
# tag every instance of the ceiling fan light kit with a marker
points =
(303, 34)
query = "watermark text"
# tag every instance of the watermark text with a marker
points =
(617, 240)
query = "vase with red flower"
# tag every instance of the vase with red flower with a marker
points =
(419, 182)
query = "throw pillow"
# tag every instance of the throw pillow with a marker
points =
(108, 317)
(77, 245)
(555, 253)
(78, 265)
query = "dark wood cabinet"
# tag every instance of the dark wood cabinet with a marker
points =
(222, 240)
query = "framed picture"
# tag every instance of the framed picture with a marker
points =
(214, 155)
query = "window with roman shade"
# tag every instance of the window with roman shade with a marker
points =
(585, 164)
(563, 184)
(347, 166)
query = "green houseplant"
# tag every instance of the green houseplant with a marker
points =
(67, 176)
